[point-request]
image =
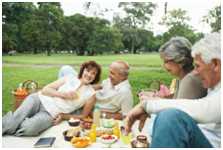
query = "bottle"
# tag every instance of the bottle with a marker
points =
(93, 134)
(173, 86)
(116, 130)
(96, 116)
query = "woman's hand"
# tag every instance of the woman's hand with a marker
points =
(58, 119)
(71, 95)
(146, 93)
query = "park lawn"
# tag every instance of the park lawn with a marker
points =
(139, 78)
(138, 60)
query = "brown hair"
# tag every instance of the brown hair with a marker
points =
(90, 65)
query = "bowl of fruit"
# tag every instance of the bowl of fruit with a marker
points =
(108, 139)
(69, 134)
(80, 142)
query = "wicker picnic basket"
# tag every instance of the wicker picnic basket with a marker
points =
(24, 89)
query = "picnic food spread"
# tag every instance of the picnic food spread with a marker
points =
(84, 133)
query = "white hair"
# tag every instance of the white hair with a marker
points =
(208, 48)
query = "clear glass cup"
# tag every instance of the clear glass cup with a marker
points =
(126, 139)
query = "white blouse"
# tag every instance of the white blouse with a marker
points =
(56, 105)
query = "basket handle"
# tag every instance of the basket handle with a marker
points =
(27, 82)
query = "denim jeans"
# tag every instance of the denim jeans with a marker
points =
(176, 129)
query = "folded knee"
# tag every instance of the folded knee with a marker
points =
(28, 130)
(169, 116)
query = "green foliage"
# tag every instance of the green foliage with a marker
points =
(29, 28)
(182, 30)
(214, 18)
(109, 39)
(176, 21)
(14, 15)
(175, 17)
(137, 16)
(9, 40)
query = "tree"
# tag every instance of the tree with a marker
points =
(182, 30)
(176, 22)
(51, 16)
(9, 40)
(214, 18)
(15, 15)
(175, 17)
(137, 16)
(105, 39)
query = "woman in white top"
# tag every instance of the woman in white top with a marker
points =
(39, 110)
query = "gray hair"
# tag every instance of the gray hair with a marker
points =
(208, 48)
(178, 49)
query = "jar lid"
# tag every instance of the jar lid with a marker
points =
(141, 138)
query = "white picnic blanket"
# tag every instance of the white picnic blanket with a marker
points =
(57, 131)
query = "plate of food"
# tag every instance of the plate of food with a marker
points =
(80, 142)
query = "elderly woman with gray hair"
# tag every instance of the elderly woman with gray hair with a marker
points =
(177, 60)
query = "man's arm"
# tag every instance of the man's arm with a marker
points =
(97, 86)
(204, 110)
(88, 107)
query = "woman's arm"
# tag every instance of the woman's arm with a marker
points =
(51, 89)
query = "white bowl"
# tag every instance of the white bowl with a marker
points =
(108, 141)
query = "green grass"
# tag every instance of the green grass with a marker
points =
(139, 77)
(146, 60)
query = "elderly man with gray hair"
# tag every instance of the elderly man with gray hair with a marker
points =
(176, 124)
(115, 97)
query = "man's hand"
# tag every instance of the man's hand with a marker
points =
(137, 113)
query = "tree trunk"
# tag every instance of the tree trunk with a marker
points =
(133, 47)
(48, 52)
